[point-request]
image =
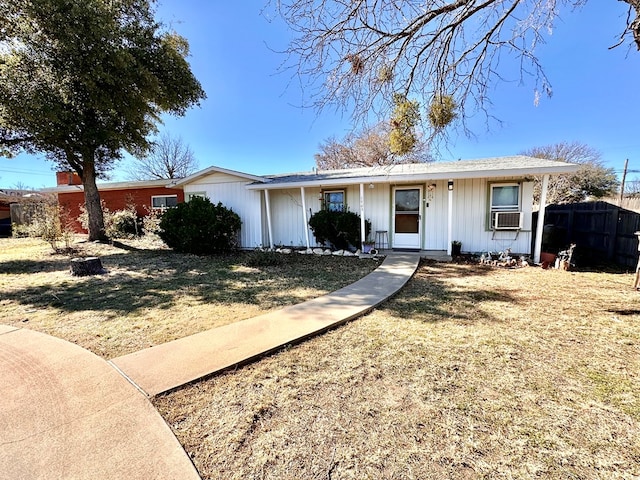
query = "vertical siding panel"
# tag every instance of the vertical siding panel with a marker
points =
(246, 203)
(469, 212)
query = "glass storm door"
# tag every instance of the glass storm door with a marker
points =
(406, 217)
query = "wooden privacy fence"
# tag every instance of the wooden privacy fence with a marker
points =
(603, 232)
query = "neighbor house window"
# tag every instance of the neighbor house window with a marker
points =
(505, 206)
(334, 200)
(162, 202)
(191, 195)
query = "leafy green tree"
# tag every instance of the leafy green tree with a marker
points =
(83, 80)
(592, 180)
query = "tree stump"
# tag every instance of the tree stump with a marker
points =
(86, 266)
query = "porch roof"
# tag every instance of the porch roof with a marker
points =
(514, 166)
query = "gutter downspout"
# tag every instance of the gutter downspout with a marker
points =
(537, 248)
(267, 203)
(304, 218)
(362, 222)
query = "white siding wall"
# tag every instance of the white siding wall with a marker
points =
(470, 216)
(231, 192)
(286, 210)
(377, 208)
(470, 203)
(286, 215)
(435, 217)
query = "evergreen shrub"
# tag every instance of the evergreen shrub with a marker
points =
(200, 227)
(338, 229)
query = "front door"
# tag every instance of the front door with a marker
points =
(406, 217)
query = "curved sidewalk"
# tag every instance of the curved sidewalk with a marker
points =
(65, 413)
(172, 364)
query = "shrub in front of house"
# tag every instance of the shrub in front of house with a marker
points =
(338, 229)
(122, 224)
(200, 227)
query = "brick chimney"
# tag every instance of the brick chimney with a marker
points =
(68, 178)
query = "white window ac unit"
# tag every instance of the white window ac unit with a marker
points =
(507, 220)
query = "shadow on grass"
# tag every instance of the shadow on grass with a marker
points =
(140, 280)
(429, 297)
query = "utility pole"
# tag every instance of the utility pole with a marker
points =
(624, 178)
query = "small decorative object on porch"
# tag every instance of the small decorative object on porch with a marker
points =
(86, 266)
(564, 261)
(547, 259)
(367, 246)
(456, 248)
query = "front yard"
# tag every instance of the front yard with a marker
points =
(151, 295)
(469, 372)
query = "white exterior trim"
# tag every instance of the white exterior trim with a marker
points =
(537, 248)
(269, 224)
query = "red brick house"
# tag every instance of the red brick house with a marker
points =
(144, 196)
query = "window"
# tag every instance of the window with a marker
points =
(162, 202)
(334, 200)
(505, 207)
(190, 195)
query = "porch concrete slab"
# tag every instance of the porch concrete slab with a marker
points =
(65, 413)
(172, 364)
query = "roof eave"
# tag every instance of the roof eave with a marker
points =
(418, 177)
(213, 169)
(110, 186)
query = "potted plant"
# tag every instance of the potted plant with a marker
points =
(367, 246)
(456, 248)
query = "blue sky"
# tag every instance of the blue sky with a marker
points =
(252, 120)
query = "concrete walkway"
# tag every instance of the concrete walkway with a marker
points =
(167, 366)
(65, 413)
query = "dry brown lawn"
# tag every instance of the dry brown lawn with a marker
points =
(150, 296)
(470, 372)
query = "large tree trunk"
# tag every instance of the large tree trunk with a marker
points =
(92, 199)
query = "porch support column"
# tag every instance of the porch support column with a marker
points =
(363, 232)
(537, 248)
(449, 215)
(305, 220)
(267, 205)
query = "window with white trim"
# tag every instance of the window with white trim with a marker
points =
(191, 195)
(505, 205)
(162, 202)
(334, 200)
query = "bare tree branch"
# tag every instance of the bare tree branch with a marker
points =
(592, 180)
(168, 157)
(368, 148)
(356, 54)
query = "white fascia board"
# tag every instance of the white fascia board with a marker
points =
(418, 177)
(209, 170)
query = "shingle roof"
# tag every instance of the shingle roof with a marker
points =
(481, 168)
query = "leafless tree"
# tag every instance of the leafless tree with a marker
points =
(356, 54)
(592, 180)
(168, 157)
(368, 148)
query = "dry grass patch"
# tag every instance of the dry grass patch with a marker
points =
(469, 372)
(152, 295)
